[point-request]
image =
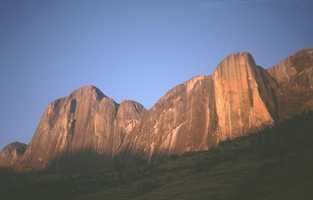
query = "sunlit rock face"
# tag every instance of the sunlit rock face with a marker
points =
(87, 120)
(244, 95)
(11, 153)
(180, 121)
(237, 99)
(294, 76)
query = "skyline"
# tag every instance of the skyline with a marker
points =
(132, 51)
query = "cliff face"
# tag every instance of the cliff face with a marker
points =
(87, 120)
(245, 96)
(11, 153)
(179, 121)
(294, 76)
(128, 117)
(237, 99)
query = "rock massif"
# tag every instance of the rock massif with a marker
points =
(86, 120)
(11, 153)
(237, 99)
(294, 76)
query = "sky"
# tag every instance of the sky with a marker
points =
(131, 49)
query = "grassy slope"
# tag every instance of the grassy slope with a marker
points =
(274, 164)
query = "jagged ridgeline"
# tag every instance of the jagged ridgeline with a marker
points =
(239, 98)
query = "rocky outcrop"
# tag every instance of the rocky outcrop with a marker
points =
(237, 99)
(128, 117)
(11, 153)
(179, 121)
(293, 66)
(87, 120)
(294, 76)
(245, 100)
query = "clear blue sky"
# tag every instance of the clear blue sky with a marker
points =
(130, 49)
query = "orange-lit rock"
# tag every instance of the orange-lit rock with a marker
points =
(183, 120)
(237, 99)
(243, 95)
(87, 120)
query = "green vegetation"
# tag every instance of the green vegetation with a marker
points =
(275, 163)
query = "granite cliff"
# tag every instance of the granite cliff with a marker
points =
(239, 98)
(86, 120)
(195, 116)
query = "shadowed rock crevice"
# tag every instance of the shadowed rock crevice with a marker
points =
(73, 106)
(269, 92)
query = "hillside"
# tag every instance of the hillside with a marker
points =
(274, 164)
